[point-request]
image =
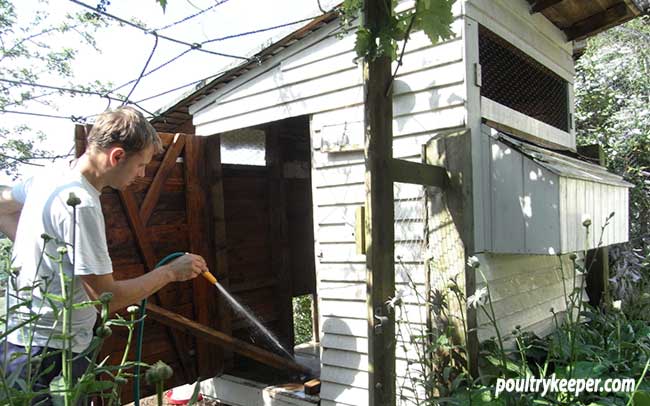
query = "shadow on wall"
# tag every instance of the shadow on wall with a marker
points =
(344, 362)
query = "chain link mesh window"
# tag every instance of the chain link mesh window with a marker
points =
(513, 79)
(243, 147)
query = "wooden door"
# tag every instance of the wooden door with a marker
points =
(176, 207)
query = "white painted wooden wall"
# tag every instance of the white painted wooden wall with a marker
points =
(538, 207)
(524, 289)
(316, 76)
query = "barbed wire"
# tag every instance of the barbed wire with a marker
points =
(27, 160)
(242, 34)
(193, 46)
(144, 72)
(74, 119)
(144, 69)
(182, 20)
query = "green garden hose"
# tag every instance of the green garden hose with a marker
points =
(140, 332)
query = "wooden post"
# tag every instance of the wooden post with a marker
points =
(280, 236)
(597, 261)
(219, 263)
(205, 295)
(380, 232)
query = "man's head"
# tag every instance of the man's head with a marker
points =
(124, 142)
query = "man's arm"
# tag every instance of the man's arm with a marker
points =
(10, 210)
(132, 291)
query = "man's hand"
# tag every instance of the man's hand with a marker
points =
(130, 291)
(189, 266)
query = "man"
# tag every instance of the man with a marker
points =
(120, 145)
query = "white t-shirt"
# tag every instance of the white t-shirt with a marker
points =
(45, 210)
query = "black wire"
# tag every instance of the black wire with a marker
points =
(62, 89)
(75, 119)
(179, 87)
(206, 42)
(191, 16)
(194, 46)
(152, 70)
(70, 90)
(258, 31)
(153, 50)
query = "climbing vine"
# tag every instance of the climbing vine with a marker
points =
(434, 17)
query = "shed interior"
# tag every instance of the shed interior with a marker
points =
(252, 221)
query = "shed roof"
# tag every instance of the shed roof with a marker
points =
(172, 117)
(578, 19)
(563, 165)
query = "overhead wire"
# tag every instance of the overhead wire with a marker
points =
(218, 3)
(69, 90)
(194, 46)
(210, 41)
(144, 69)
(75, 119)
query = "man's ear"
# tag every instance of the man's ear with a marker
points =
(116, 155)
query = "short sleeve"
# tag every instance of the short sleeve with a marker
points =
(19, 191)
(90, 246)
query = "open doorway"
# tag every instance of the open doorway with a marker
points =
(268, 213)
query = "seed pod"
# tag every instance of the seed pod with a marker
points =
(73, 200)
(103, 331)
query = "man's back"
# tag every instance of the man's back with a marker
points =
(46, 211)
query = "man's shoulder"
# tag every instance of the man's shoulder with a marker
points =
(59, 182)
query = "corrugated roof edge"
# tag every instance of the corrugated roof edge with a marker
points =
(563, 165)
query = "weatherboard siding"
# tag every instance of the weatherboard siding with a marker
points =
(317, 76)
(524, 289)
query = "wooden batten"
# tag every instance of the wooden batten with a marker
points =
(212, 336)
(205, 295)
(147, 252)
(279, 234)
(218, 261)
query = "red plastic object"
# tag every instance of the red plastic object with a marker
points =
(183, 399)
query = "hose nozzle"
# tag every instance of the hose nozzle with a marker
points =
(208, 275)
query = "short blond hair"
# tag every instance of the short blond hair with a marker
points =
(125, 127)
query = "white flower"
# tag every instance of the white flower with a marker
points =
(479, 298)
(616, 304)
(473, 262)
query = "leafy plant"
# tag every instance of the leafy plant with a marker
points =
(587, 342)
(434, 17)
(99, 379)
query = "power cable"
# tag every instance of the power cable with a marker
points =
(179, 87)
(153, 50)
(218, 3)
(194, 46)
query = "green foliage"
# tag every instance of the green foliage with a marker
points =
(163, 4)
(302, 320)
(99, 379)
(38, 49)
(602, 343)
(434, 17)
(612, 98)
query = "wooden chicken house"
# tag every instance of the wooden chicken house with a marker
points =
(482, 162)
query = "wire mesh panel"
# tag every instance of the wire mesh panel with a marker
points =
(513, 79)
(243, 147)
